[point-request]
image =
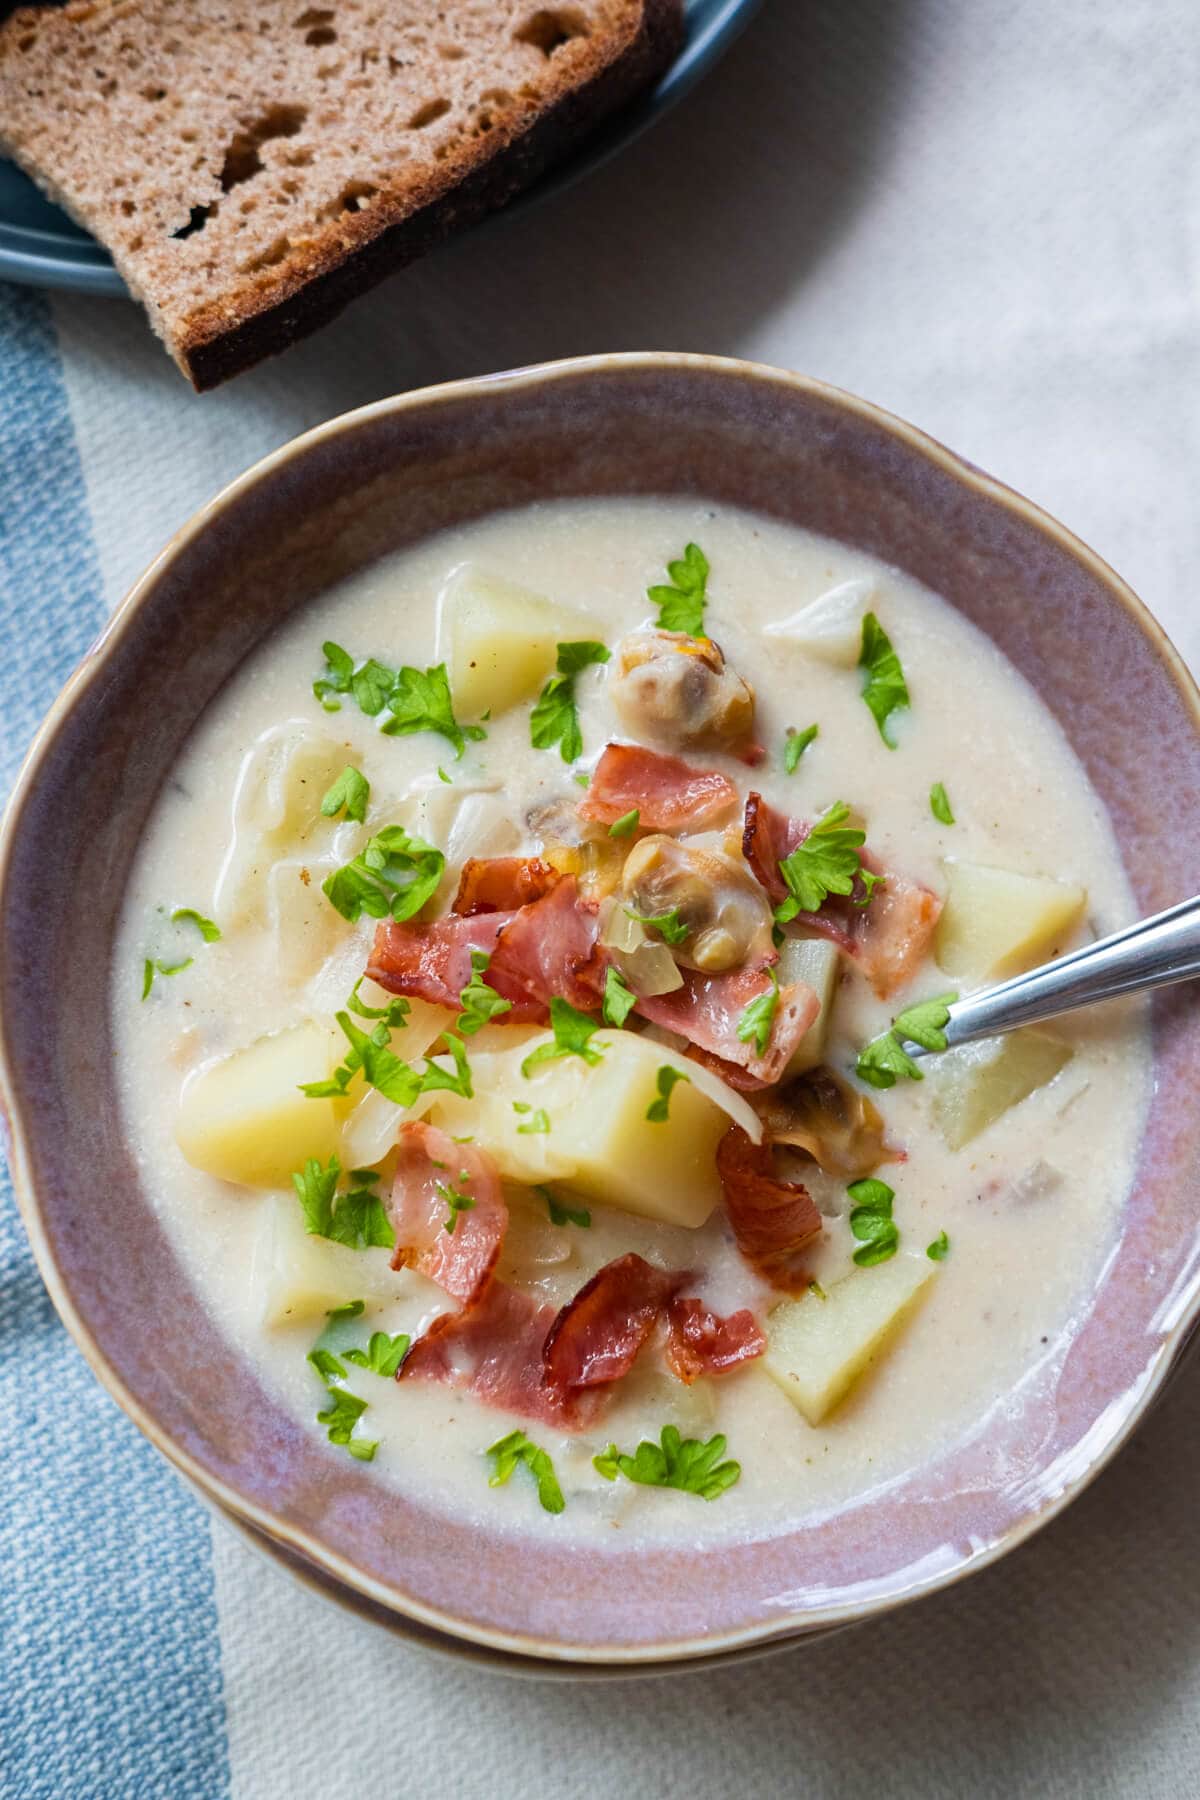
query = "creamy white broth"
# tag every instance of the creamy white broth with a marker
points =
(1025, 1250)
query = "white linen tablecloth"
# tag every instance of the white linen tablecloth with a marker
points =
(986, 217)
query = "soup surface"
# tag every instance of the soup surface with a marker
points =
(839, 1301)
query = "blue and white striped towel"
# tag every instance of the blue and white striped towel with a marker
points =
(987, 218)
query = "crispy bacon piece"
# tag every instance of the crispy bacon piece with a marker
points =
(889, 936)
(700, 1342)
(494, 1352)
(490, 884)
(429, 1166)
(549, 948)
(667, 792)
(823, 1115)
(773, 1221)
(544, 948)
(708, 1009)
(597, 1336)
(432, 960)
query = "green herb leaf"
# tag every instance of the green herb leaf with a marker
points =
(884, 688)
(350, 791)
(342, 1413)
(394, 1014)
(516, 1448)
(480, 1003)
(188, 915)
(457, 1201)
(349, 1309)
(669, 925)
(619, 999)
(923, 1022)
(421, 702)
(554, 719)
(442, 776)
(339, 671)
(536, 1125)
(871, 1221)
(392, 875)
(885, 1059)
(825, 862)
(356, 1219)
(815, 1288)
(155, 966)
(939, 1249)
(454, 1081)
(626, 825)
(383, 1354)
(563, 1215)
(371, 686)
(795, 744)
(939, 804)
(572, 1030)
(683, 1463)
(681, 606)
(756, 1021)
(667, 1077)
(382, 1068)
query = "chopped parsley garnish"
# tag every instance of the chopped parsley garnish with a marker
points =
(885, 1060)
(795, 744)
(344, 1409)
(669, 925)
(393, 876)
(516, 1448)
(355, 1218)
(536, 1125)
(666, 1079)
(350, 1309)
(626, 825)
(681, 606)
(454, 1081)
(939, 1249)
(572, 1030)
(563, 1215)
(456, 1201)
(815, 1288)
(884, 688)
(388, 1073)
(349, 793)
(939, 804)
(619, 999)
(684, 1463)
(756, 1022)
(582, 779)
(825, 862)
(155, 966)
(412, 700)
(555, 719)
(480, 1003)
(442, 776)
(393, 1014)
(383, 1354)
(871, 1221)
(187, 915)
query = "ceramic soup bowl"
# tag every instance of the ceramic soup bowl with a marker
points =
(316, 512)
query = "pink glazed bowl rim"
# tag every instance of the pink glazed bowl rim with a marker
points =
(757, 1591)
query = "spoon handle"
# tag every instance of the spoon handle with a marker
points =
(1150, 954)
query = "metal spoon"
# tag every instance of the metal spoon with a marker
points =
(1153, 953)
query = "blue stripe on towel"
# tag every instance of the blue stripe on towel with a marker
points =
(111, 1681)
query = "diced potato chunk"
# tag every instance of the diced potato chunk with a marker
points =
(973, 1084)
(814, 961)
(817, 1349)
(296, 1276)
(244, 1118)
(600, 1142)
(997, 923)
(830, 627)
(500, 641)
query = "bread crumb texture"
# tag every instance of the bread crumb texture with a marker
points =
(231, 155)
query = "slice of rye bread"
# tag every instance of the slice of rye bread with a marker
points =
(252, 165)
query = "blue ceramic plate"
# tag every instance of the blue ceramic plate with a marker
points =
(40, 245)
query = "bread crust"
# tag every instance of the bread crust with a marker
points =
(270, 310)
